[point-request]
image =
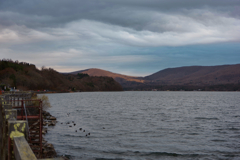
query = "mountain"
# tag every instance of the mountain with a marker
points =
(26, 76)
(197, 75)
(124, 80)
(224, 77)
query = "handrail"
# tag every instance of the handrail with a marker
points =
(13, 134)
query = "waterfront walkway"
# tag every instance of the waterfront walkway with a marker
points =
(21, 127)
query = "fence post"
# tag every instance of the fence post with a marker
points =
(4, 130)
(1, 121)
(1, 127)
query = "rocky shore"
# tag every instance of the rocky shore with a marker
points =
(48, 148)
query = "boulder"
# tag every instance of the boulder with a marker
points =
(44, 123)
(52, 123)
(52, 118)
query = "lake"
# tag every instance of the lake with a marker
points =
(146, 125)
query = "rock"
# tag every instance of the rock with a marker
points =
(44, 142)
(45, 113)
(44, 130)
(49, 145)
(52, 118)
(44, 123)
(48, 148)
(52, 123)
(49, 153)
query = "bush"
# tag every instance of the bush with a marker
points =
(45, 101)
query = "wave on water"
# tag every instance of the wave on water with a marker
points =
(72, 135)
(109, 159)
(159, 154)
(205, 118)
(155, 154)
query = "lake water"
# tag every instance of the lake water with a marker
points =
(146, 125)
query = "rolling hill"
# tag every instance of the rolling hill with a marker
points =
(197, 75)
(190, 77)
(25, 76)
(124, 80)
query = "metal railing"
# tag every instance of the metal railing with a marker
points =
(16, 140)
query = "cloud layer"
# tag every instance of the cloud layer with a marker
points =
(73, 35)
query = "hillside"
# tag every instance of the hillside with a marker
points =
(197, 75)
(25, 76)
(225, 77)
(124, 80)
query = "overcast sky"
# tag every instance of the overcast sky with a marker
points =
(133, 37)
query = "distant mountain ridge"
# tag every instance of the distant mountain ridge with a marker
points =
(200, 75)
(181, 76)
(116, 76)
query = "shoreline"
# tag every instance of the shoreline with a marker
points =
(48, 148)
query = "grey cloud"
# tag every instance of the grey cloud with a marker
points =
(64, 31)
(127, 13)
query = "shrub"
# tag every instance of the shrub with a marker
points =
(45, 101)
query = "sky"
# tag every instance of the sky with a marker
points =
(132, 37)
